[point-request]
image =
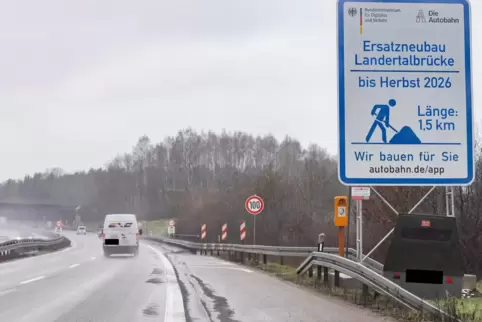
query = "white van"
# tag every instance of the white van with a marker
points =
(120, 234)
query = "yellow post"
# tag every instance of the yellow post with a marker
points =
(341, 241)
(341, 221)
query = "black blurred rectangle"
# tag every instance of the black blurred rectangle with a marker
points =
(111, 242)
(423, 276)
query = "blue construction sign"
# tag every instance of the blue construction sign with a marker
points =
(405, 92)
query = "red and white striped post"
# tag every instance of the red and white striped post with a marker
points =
(224, 232)
(203, 235)
(242, 236)
(242, 231)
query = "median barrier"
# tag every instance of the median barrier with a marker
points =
(23, 247)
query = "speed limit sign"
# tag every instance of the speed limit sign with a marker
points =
(254, 205)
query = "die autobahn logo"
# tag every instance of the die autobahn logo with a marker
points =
(353, 12)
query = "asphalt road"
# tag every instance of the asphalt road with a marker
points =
(79, 284)
(230, 292)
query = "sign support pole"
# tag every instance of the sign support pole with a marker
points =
(359, 230)
(254, 230)
(350, 206)
(396, 212)
(450, 201)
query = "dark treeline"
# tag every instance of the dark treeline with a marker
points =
(205, 178)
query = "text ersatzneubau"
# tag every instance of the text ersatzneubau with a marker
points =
(403, 54)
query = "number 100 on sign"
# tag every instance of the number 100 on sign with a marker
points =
(254, 205)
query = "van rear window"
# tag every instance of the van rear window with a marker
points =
(119, 225)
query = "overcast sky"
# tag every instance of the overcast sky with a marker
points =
(80, 81)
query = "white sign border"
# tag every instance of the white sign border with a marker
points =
(469, 103)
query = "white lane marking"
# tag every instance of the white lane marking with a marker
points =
(223, 267)
(217, 263)
(174, 310)
(73, 265)
(8, 291)
(38, 278)
(93, 257)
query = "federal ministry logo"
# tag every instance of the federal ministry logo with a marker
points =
(352, 12)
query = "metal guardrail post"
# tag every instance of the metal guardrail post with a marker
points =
(281, 260)
(265, 259)
(241, 255)
(321, 247)
(365, 293)
(337, 278)
(310, 272)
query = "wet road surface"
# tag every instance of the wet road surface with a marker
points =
(161, 284)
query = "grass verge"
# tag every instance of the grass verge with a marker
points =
(157, 227)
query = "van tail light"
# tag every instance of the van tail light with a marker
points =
(448, 280)
(396, 276)
(137, 236)
(103, 236)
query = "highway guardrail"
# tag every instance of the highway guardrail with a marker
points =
(372, 279)
(287, 251)
(19, 247)
(368, 273)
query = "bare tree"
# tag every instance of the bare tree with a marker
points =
(205, 178)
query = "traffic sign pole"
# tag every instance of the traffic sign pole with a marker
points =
(254, 230)
(358, 194)
(359, 230)
(347, 236)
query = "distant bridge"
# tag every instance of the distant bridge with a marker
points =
(33, 210)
